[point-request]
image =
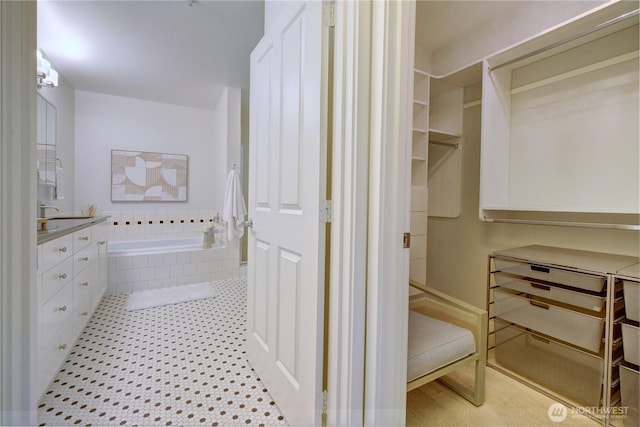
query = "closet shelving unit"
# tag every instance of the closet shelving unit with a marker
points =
(436, 162)
(560, 122)
(419, 169)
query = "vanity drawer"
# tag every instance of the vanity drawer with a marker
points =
(52, 354)
(590, 302)
(55, 251)
(631, 343)
(83, 259)
(81, 239)
(54, 313)
(81, 314)
(570, 326)
(83, 285)
(631, 291)
(566, 370)
(55, 279)
(551, 274)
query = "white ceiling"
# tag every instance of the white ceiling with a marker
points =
(165, 51)
(185, 53)
(439, 23)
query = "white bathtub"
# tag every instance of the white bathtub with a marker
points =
(148, 247)
(149, 264)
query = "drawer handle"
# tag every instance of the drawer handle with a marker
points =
(84, 284)
(62, 276)
(539, 286)
(85, 313)
(63, 308)
(85, 238)
(540, 269)
(540, 305)
(102, 242)
(542, 340)
(62, 249)
(62, 347)
(84, 258)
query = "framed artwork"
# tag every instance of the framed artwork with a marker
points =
(139, 176)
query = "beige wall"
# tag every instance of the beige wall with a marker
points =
(457, 249)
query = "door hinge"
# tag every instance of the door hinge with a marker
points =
(325, 401)
(329, 14)
(406, 240)
(325, 211)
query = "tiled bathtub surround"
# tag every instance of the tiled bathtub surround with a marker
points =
(129, 273)
(139, 272)
(157, 224)
(177, 365)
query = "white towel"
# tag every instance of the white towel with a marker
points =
(59, 186)
(234, 207)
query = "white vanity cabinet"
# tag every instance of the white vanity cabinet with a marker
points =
(555, 323)
(71, 281)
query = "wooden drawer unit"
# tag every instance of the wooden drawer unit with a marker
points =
(54, 313)
(56, 278)
(81, 239)
(556, 323)
(84, 258)
(81, 314)
(83, 284)
(53, 352)
(69, 283)
(55, 251)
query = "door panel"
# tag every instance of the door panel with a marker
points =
(287, 175)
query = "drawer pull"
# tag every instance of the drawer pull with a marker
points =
(539, 286)
(102, 242)
(85, 238)
(540, 268)
(84, 258)
(542, 340)
(85, 313)
(84, 284)
(540, 305)
(63, 308)
(62, 249)
(62, 276)
(62, 347)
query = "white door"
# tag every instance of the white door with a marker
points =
(287, 181)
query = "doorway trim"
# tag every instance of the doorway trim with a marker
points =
(368, 317)
(17, 212)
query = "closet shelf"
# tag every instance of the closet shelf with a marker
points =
(443, 137)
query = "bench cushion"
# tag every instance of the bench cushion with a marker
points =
(434, 344)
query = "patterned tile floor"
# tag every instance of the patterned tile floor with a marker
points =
(177, 365)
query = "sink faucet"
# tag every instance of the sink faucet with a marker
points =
(42, 209)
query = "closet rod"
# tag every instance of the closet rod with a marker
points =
(634, 227)
(569, 39)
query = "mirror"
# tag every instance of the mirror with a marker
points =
(46, 150)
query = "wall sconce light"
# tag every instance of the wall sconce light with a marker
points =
(45, 76)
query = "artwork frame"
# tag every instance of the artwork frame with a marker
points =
(147, 176)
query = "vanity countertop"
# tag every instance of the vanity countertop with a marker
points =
(61, 227)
